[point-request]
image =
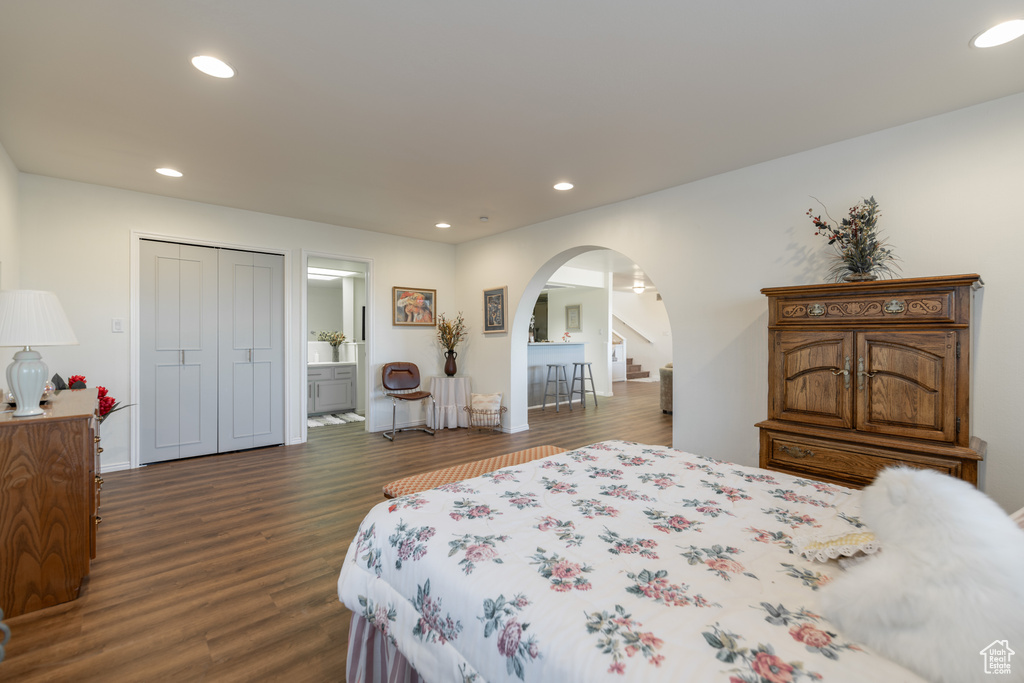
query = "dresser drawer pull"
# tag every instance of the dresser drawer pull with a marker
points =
(895, 307)
(797, 452)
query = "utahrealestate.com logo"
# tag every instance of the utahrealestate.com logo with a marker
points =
(997, 657)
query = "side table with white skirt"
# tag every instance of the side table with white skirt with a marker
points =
(452, 396)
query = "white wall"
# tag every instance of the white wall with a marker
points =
(76, 240)
(647, 329)
(949, 188)
(8, 228)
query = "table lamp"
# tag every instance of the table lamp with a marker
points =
(31, 318)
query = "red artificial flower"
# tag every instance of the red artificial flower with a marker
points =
(101, 391)
(106, 405)
(75, 378)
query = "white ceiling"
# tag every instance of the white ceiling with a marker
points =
(396, 114)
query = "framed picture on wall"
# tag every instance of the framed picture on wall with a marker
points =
(412, 306)
(494, 310)
(573, 318)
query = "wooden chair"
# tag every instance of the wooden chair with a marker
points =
(402, 383)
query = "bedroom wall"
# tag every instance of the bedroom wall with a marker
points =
(949, 189)
(76, 240)
(8, 226)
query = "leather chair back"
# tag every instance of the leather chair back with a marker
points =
(400, 376)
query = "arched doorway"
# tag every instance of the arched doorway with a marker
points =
(594, 287)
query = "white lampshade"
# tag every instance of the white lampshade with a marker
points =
(31, 318)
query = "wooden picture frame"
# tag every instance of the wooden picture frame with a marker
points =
(495, 310)
(413, 306)
(574, 318)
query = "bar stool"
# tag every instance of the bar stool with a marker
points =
(556, 368)
(579, 374)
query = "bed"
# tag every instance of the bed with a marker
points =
(616, 561)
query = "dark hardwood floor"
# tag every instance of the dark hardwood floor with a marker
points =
(224, 568)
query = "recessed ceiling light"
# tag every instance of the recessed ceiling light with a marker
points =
(999, 34)
(212, 66)
(169, 172)
(563, 186)
(442, 225)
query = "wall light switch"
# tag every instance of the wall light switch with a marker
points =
(117, 325)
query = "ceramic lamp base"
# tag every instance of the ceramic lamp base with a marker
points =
(26, 378)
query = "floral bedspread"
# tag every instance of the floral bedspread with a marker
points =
(617, 561)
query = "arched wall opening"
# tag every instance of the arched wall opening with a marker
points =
(519, 365)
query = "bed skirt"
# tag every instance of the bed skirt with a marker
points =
(373, 659)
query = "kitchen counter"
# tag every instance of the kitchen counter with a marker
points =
(539, 354)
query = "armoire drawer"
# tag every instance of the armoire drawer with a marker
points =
(845, 464)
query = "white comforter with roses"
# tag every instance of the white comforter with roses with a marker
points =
(617, 561)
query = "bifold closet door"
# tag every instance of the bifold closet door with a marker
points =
(251, 363)
(178, 351)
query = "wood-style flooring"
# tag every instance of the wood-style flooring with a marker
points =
(224, 568)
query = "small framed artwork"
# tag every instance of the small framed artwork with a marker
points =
(572, 318)
(411, 306)
(494, 310)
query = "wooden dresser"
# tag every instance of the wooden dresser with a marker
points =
(49, 487)
(863, 376)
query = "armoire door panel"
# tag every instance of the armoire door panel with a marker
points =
(813, 371)
(907, 384)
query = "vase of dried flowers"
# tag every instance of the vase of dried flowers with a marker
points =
(449, 334)
(335, 339)
(861, 253)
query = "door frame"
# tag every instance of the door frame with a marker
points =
(304, 323)
(291, 435)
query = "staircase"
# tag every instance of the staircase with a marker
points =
(635, 371)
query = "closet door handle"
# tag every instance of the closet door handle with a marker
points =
(250, 355)
(183, 356)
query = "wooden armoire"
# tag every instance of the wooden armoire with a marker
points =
(864, 376)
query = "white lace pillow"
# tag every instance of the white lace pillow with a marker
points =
(485, 410)
(825, 548)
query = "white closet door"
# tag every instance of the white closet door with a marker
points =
(178, 355)
(251, 350)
